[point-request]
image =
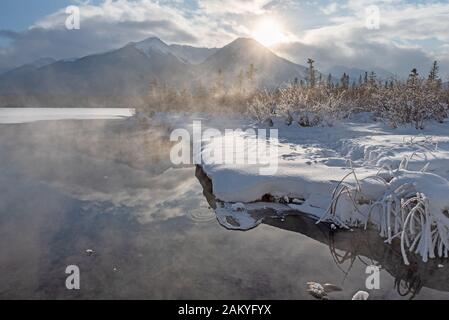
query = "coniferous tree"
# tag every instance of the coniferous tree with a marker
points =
(433, 74)
(372, 78)
(434, 80)
(220, 82)
(311, 73)
(251, 72)
(296, 82)
(344, 81)
(413, 77)
(241, 79)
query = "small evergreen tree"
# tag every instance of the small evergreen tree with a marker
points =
(433, 74)
(311, 77)
(344, 81)
(240, 81)
(372, 78)
(251, 72)
(413, 77)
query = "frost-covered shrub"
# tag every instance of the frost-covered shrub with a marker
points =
(398, 103)
(290, 100)
(310, 106)
(408, 206)
(414, 102)
(263, 106)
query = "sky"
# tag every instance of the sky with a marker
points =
(399, 36)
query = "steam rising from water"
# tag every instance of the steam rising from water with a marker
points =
(112, 163)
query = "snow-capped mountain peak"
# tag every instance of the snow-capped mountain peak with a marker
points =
(245, 42)
(151, 45)
(185, 54)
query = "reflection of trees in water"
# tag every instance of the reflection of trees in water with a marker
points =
(407, 281)
(366, 246)
(410, 286)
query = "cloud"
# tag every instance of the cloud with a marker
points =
(106, 26)
(330, 8)
(411, 34)
(111, 24)
(10, 35)
(366, 55)
(234, 6)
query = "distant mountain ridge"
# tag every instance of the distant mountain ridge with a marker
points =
(355, 73)
(29, 66)
(187, 54)
(122, 77)
(269, 70)
(191, 54)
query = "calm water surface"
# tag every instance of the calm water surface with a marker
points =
(107, 185)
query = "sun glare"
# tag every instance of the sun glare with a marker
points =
(269, 32)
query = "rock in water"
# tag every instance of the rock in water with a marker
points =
(361, 295)
(317, 290)
(268, 122)
(238, 207)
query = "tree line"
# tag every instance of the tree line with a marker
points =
(313, 99)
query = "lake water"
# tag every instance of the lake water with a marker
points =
(107, 185)
(24, 115)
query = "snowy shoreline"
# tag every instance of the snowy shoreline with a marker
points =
(352, 174)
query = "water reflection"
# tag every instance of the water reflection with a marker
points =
(369, 248)
(363, 246)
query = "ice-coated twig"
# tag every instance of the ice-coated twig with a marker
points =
(402, 213)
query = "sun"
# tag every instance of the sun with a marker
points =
(269, 32)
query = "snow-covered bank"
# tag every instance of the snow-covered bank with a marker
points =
(351, 174)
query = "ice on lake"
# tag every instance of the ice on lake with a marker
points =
(26, 115)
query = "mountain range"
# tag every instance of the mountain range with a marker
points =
(355, 73)
(122, 77)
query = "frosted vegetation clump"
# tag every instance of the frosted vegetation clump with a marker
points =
(314, 102)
